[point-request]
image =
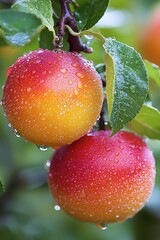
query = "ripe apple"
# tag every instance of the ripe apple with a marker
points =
(150, 37)
(102, 179)
(52, 98)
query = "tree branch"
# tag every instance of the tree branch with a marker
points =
(67, 18)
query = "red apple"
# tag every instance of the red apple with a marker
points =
(101, 178)
(52, 97)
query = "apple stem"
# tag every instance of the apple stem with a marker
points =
(67, 18)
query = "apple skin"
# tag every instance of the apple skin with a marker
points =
(102, 179)
(52, 98)
(149, 42)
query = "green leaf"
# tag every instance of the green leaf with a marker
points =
(153, 73)
(18, 28)
(46, 39)
(1, 187)
(147, 122)
(40, 8)
(154, 83)
(126, 83)
(88, 12)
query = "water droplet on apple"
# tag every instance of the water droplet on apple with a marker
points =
(28, 89)
(79, 85)
(42, 147)
(102, 225)
(70, 82)
(1, 102)
(47, 165)
(117, 153)
(74, 65)
(116, 160)
(9, 125)
(80, 75)
(63, 70)
(57, 208)
(76, 92)
(108, 149)
(16, 133)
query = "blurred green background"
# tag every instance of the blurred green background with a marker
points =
(26, 208)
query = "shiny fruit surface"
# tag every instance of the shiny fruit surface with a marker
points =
(102, 179)
(52, 98)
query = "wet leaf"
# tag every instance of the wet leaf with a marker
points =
(147, 122)
(18, 28)
(126, 83)
(89, 12)
(40, 8)
(153, 73)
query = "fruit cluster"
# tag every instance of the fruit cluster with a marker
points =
(53, 98)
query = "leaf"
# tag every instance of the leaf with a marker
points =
(40, 8)
(46, 38)
(1, 187)
(154, 83)
(18, 28)
(153, 73)
(88, 12)
(126, 83)
(147, 122)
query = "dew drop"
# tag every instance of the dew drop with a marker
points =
(108, 149)
(89, 37)
(132, 146)
(76, 92)
(63, 70)
(9, 125)
(57, 208)
(70, 82)
(42, 147)
(117, 153)
(28, 89)
(116, 160)
(74, 65)
(79, 85)
(80, 75)
(102, 225)
(33, 71)
(16, 133)
(3, 87)
(47, 165)
(38, 61)
(1, 102)
(42, 81)
(117, 216)
(121, 147)
(132, 88)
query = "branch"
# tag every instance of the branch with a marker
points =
(67, 18)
